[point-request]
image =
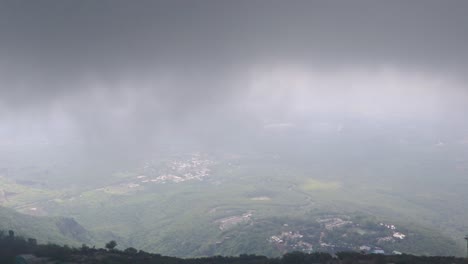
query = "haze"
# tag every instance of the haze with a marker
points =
(103, 85)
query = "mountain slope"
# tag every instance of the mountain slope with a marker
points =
(45, 229)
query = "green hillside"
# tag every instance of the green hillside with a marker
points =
(45, 229)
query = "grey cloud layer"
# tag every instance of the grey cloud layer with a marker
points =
(150, 64)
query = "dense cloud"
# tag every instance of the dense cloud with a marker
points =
(116, 70)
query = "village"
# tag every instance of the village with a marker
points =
(324, 238)
(195, 167)
(178, 170)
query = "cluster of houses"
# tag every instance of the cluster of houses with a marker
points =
(306, 242)
(193, 168)
(229, 222)
(291, 241)
(286, 236)
(395, 234)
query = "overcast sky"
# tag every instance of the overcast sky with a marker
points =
(135, 69)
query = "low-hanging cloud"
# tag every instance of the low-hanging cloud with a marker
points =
(114, 70)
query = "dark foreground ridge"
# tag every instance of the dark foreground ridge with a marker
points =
(14, 249)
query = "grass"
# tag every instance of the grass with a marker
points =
(317, 185)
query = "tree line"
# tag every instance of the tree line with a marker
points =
(12, 246)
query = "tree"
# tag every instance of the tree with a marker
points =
(295, 257)
(111, 245)
(131, 251)
(32, 241)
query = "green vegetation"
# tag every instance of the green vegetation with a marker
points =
(45, 229)
(204, 217)
(313, 185)
(14, 249)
